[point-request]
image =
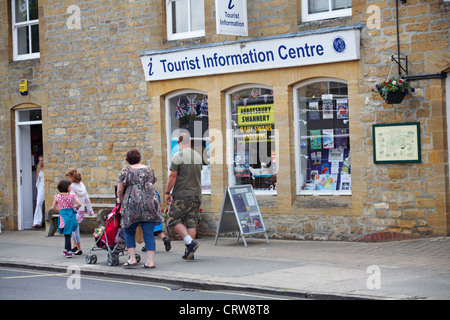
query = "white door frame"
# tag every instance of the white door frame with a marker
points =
(21, 162)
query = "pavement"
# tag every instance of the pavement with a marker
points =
(396, 270)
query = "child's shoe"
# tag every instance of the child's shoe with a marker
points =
(67, 254)
(167, 244)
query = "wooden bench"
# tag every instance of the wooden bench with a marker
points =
(102, 205)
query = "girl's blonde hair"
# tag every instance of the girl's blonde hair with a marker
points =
(39, 165)
(74, 174)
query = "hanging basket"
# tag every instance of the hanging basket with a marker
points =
(395, 97)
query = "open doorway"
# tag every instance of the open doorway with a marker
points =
(29, 146)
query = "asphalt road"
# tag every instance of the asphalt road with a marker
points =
(22, 284)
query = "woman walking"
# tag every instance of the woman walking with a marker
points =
(139, 206)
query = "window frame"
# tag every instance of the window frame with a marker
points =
(230, 136)
(307, 17)
(168, 118)
(297, 142)
(182, 35)
(15, 26)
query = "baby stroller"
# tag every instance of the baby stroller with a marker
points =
(110, 238)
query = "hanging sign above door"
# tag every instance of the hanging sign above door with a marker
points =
(231, 17)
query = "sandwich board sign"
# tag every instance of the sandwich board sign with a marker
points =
(240, 212)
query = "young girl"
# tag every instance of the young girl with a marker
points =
(79, 190)
(67, 221)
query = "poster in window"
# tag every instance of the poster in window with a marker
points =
(328, 141)
(342, 108)
(346, 182)
(316, 139)
(327, 108)
(340, 138)
(326, 182)
(313, 108)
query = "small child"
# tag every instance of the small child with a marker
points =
(158, 231)
(78, 189)
(67, 222)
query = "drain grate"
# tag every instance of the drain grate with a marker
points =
(188, 290)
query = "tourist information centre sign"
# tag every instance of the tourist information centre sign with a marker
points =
(242, 56)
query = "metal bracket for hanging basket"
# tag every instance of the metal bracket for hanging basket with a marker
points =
(400, 67)
(399, 56)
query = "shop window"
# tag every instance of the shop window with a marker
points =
(252, 139)
(25, 26)
(185, 19)
(325, 9)
(322, 144)
(188, 112)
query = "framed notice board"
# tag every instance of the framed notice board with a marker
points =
(396, 143)
(240, 212)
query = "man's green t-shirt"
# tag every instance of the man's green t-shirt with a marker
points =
(188, 164)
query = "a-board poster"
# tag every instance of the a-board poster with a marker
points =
(240, 212)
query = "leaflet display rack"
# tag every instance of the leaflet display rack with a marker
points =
(240, 213)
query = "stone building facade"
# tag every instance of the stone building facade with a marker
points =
(95, 103)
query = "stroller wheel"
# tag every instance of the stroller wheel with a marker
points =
(138, 257)
(91, 259)
(113, 260)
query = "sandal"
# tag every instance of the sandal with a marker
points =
(128, 264)
(147, 267)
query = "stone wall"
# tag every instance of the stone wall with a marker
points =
(407, 198)
(96, 105)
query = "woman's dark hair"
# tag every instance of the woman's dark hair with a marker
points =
(133, 156)
(63, 185)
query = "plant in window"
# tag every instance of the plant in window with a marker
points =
(393, 90)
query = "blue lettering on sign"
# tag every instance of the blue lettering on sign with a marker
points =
(250, 56)
(150, 65)
(230, 5)
(183, 65)
(299, 52)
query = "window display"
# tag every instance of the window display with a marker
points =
(251, 118)
(322, 138)
(189, 112)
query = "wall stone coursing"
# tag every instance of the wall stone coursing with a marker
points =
(99, 106)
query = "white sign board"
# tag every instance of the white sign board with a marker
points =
(252, 55)
(231, 17)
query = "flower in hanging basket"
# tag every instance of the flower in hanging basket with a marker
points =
(393, 90)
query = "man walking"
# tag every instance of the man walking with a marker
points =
(186, 198)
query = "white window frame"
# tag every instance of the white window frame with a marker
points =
(298, 166)
(323, 15)
(169, 125)
(229, 133)
(182, 35)
(16, 55)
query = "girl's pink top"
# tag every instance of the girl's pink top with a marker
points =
(65, 200)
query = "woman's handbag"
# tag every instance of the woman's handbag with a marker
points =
(139, 236)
